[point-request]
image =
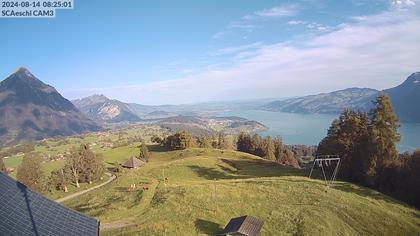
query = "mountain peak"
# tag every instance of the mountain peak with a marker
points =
(24, 73)
(22, 87)
(412, 82)
(414, 79)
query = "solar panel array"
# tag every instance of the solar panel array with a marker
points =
(24, 212)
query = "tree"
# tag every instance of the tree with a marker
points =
(269, 148)
(229, 142)
(220, 140)
(59, 179)
(205, 142)
(283, 155)
(257, 147)
(92, 166)
(156, 139)
(2, 166)
(74, 164)
(348, 137)
(180, 140)
(279, 149)
(144, 152)
(30, 173)
(244, 143)
(83, 165)
(384, 132)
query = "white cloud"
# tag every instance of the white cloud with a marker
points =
(403, 3)
(296, 22)
(311, 25)
(376, 51)
(241, 25)
(279, 11)
(236, 49)
(252, 21)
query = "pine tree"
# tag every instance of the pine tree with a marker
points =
(186, 140)
(144, 152)
(269, 149)
(205, 142)
(279, 149)
(257, 146)
(244, 143)
(383, 134)
(229, 142)
(348, 138)
(220, 140)
(30, 173)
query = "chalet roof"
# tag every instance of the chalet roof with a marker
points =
(243, 225)
(133, 163)
(24, 212)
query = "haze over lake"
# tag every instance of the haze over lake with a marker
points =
(309, 129)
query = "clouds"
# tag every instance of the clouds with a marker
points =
(278, 11)
(254, 20)
(310, 25)
(376, 51)
(400, 4)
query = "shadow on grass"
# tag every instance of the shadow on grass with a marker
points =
(97, 210)
(246, 169)
(210, 173)
(207, 227)
(365, 192)
(123, 189)
(157, 148)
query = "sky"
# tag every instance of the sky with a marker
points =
(173, 52)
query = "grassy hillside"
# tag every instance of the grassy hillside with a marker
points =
(205, 188)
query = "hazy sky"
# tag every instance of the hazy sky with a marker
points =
(156, 52)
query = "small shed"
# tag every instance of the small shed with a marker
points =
(243, 226)
(133, 162)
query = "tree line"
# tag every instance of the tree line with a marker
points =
(268, 148)
(184, 139)
(366, 144)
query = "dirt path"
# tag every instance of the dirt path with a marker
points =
(145, 202)
(112, 178)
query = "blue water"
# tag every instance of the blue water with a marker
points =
(309, 129)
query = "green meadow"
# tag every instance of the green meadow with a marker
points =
(205, 188)
(197, 191)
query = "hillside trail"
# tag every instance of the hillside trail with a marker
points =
(144, 203)
(112, 178)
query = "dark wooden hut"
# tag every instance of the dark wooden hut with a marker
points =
(243, 226)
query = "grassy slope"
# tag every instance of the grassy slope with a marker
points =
(203, 193)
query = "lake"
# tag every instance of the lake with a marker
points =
(309, 129)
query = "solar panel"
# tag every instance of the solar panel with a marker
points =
(24, 212)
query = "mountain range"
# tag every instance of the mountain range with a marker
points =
(32, 110)
(405, 98)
